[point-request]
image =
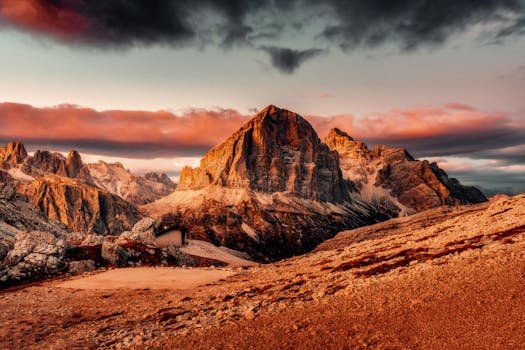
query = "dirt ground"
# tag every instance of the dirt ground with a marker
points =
(480, 306)
(445, 279)
(170, 278)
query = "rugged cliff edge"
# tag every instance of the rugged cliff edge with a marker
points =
(98, 198)
(391, 177)
(79, 206)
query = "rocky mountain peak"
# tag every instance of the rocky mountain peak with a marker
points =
(347, 147)
(276, 151)
(390, 154)
(392, 177)
(161, 178)
(73, 164)
(337, 133)
(14, 152)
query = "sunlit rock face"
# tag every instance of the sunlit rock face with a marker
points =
(98, 198)
(391, 176)
(273, 189)
(276, 151)
(12, 153)
(135, 189)
(80, 206)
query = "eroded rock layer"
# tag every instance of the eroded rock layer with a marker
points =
(276, 151)
(80, 206)
(391, 176)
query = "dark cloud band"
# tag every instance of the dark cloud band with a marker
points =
(409, 24)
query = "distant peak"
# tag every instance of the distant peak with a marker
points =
(16, 146)
(341, 133)
(270, 109)
(13, 152)
(73, 164)
(74, 154)
(278, 115)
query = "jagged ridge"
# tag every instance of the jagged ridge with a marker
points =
(391, 175)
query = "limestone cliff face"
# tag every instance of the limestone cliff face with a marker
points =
(72, 192)
(392, 175)
(276, 151)
(135, 189)
(45, 162)
(80, 206)
(11, 154)
(160, 178)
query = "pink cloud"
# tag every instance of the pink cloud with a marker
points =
(426, 131)
(118, 131)
(39, 16)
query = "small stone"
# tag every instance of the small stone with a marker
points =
(249, 315)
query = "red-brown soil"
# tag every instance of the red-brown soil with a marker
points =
(442, 279)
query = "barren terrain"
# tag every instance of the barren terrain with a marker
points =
(446, 278)
(148, 278)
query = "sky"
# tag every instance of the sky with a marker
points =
(155, 84)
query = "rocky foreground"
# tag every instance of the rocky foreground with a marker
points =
(443, 278)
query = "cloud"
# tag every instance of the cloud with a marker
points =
(288, 60)
(119, 133)
(130, 22)
(476, 146)
(413, 24)
(507, 156)
(492, 176)
(351, 24)
(453, 129)
(438, 131)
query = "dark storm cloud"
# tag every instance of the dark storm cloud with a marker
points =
(288, 60)
(408, 24)
(412, 24)
(492, 181)
(457, 143)
(513, 155)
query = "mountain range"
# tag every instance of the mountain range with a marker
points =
(273, 189)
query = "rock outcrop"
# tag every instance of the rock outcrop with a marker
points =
(80, 206)
(391, 177)
(82, 196)
(277, 151)
(34, 254)
(272, 189)
(31, 246)
(12, 153)
(135, 189)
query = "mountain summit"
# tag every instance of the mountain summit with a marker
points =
(391, 177)
(276, 151)
(13, 153)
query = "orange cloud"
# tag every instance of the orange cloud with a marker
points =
(452, 129)
(425, 131)
(118, 132)
(38, 16)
